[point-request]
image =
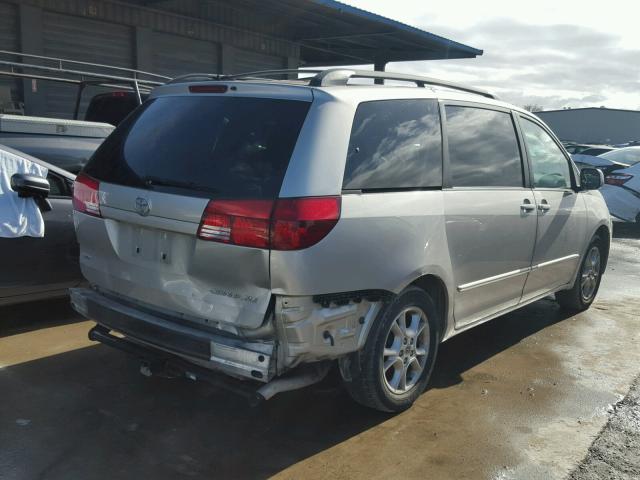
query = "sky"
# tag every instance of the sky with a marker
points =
(551, 53)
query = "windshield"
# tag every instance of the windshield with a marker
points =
(232, 147)
(628, 156)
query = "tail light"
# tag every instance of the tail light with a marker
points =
(284, 224)
(240, 222)
(85, 195)
(617, 179)
(301, 222)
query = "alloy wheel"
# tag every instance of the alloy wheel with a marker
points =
(405, 351)
(590, 274)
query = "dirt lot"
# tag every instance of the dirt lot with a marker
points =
(523, 396)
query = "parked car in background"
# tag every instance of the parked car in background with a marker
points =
(598, 162)
(67, 144)
(112, 107)
(609, 161)
(574, 148)
(263, 229)
(626, 156)
(39, 268)
(622, 193)
(594, 151)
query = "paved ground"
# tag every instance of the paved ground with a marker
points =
(523, 396)
(615, 454)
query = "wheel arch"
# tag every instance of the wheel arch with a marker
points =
(437, 288)
(604, 234)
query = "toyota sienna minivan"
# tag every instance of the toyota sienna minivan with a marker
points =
(253, 232)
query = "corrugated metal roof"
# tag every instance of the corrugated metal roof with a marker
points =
(327, 32)
(445, 42)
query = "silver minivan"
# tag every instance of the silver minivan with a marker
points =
(265, 230)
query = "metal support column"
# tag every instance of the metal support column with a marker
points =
(379, 66)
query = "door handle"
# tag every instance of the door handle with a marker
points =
(544, 206)
(527, 206)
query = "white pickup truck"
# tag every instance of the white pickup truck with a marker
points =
(67, 144)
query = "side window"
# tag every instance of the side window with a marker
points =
(395, 144)
(550, 167)
(483, 148)
(57, 186)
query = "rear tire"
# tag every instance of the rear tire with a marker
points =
(587, 281)
(394, 367)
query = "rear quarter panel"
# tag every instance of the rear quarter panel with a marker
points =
(382, 241)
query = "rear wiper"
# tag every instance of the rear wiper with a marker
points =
(153, 181)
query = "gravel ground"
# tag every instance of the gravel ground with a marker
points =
(615, 454)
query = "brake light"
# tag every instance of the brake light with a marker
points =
(208, 88)
(85, 195)
(617, 179)
(286, 224)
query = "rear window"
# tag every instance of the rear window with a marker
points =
(227, 147)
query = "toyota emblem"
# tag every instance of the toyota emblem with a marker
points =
(143, 206)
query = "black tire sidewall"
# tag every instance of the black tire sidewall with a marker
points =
(594, 243)
(410, 297)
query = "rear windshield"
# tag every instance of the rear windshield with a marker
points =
(203, 146)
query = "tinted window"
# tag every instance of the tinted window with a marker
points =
(483, 148)
(57, 186)
(231, 147)
(549, 166)
(395, 144)
(111, 107)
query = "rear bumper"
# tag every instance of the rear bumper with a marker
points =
(233, 356)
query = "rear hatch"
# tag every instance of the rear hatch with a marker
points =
(157, 174)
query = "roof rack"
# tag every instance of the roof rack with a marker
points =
(82, 74)
(191, 77)
(340, 76)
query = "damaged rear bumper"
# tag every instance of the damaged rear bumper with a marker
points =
(233, 356)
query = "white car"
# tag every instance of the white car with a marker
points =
(622, 193)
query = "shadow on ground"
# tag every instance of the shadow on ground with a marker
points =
(27, 317)
(626, 230)
(88, 413)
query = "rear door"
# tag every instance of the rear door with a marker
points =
(560, 209)
(38, 265)
(157, 174)
(490, 214)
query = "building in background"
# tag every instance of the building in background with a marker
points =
(594, 125)
(174, 37)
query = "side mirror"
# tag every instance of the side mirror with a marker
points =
(591, 178)
(30, 185)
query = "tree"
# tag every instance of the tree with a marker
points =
(533, 108)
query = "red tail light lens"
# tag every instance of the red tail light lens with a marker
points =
(618, 179)
(240, 222)
(85, 195)
(286, 224)
(301, 222)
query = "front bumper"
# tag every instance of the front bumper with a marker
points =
(231, 355)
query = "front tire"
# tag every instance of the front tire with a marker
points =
(396, 362)
(587, 282)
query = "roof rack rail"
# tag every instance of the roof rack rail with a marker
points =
(340, 76)
(189, 77)
(272, 73)
(75, 72)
